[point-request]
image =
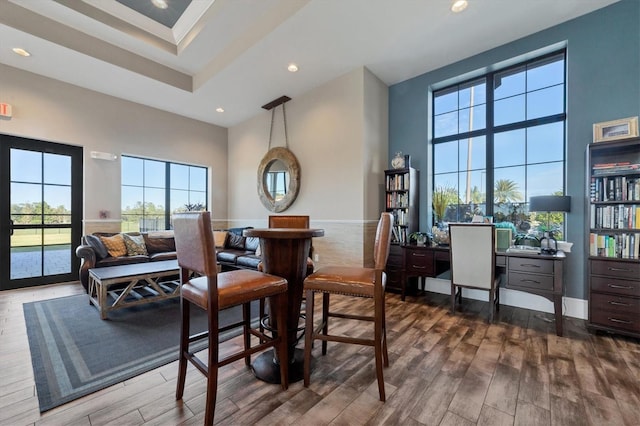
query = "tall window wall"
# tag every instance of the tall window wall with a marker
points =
(153, 190)
(499, 140)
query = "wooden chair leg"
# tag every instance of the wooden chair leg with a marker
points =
(308, 338)
(184, 347)
(325, 320)
(385, 354)
(212, 372)
(378, 347)
(246, 326)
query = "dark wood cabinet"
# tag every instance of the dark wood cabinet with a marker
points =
(613, 226)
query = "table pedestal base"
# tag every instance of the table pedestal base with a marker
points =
(266, 369)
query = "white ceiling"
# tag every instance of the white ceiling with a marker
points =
(234, 53)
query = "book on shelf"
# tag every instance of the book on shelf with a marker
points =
(614, 188)
(601, 169)
(623, 246)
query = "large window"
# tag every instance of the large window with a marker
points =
(153, 190)
(499, 140)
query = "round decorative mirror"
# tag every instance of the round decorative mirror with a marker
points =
(278, 179)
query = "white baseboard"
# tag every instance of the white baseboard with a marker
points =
(571, 307)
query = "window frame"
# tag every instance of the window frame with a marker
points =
(167, 191)
(491, 130)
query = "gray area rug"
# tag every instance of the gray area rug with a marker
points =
(75, 353)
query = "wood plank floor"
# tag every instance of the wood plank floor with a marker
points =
(444, 370)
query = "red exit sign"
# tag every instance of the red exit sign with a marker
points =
(5, 110)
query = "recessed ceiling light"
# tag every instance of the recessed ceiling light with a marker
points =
(160, 4)
(21, 52)
(292, 68)
(459, 5)
(219, 109)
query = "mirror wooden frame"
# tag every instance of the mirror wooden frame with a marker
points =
(293, 168)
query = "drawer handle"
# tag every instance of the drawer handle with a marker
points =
(418, 267)
(618, 269)
(619, 321)
(530, 265)
(624, 287)
(418, 254)
(613, 302)
(530, 281)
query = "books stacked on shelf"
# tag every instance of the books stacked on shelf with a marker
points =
(621, 216)
(623, 167)
(615, 188)
(399, 217)
(398, 235)
(624, 246)
(398, 182)
(397, 199)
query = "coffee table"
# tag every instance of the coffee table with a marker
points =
(134, 284)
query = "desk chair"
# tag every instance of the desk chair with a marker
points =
(473, 262)
(357, 282)
(205, 288)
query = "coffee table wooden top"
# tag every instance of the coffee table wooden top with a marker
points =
(134, 269)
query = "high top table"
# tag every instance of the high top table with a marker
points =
(284, 254)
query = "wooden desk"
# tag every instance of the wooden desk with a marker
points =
(538, 274)
(284, 253)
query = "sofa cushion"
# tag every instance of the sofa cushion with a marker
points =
(115, 245)
(229, 255)
(159, 242)
(135, 244)
(248, 261)
(168, 255)
(98, 247)
(235, 241)
(219, 238)
(251, 243)
(122, 260)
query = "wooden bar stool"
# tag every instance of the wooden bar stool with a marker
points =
(205, 288)
(357, 282)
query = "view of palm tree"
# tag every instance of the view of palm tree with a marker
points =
(506, 191)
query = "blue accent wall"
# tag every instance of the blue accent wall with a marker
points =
(603, 83)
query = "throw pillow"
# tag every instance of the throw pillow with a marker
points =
(97, 246)
(235, 241)
(135, 245)
(115, 245)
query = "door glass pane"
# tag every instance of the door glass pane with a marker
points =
(26, 166)
(57, 169)
(26, 198)
(26, 253)
(57, 251)
(57, 204)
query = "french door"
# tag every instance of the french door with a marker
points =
(40, 212)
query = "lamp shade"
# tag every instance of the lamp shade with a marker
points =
(550, 203)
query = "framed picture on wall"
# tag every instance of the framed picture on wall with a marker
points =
(616, 129)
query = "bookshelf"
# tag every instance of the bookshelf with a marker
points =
(401, 200)
(613, 227)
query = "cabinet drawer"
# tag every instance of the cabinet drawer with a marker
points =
(616, 286)
(529, 281)
(419, 261)
(615, 269)
(527, 264)
(619, 320)
(607, 302)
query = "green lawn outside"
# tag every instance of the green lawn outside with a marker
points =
(33, 237)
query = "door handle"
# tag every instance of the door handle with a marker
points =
(11, 227)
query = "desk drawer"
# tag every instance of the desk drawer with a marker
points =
(617, 304)
(615, 269)
(419, 261)
(619, 320)
(529, 281)
(527, 264)
(615, 286)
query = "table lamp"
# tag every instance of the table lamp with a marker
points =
(549, 204)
